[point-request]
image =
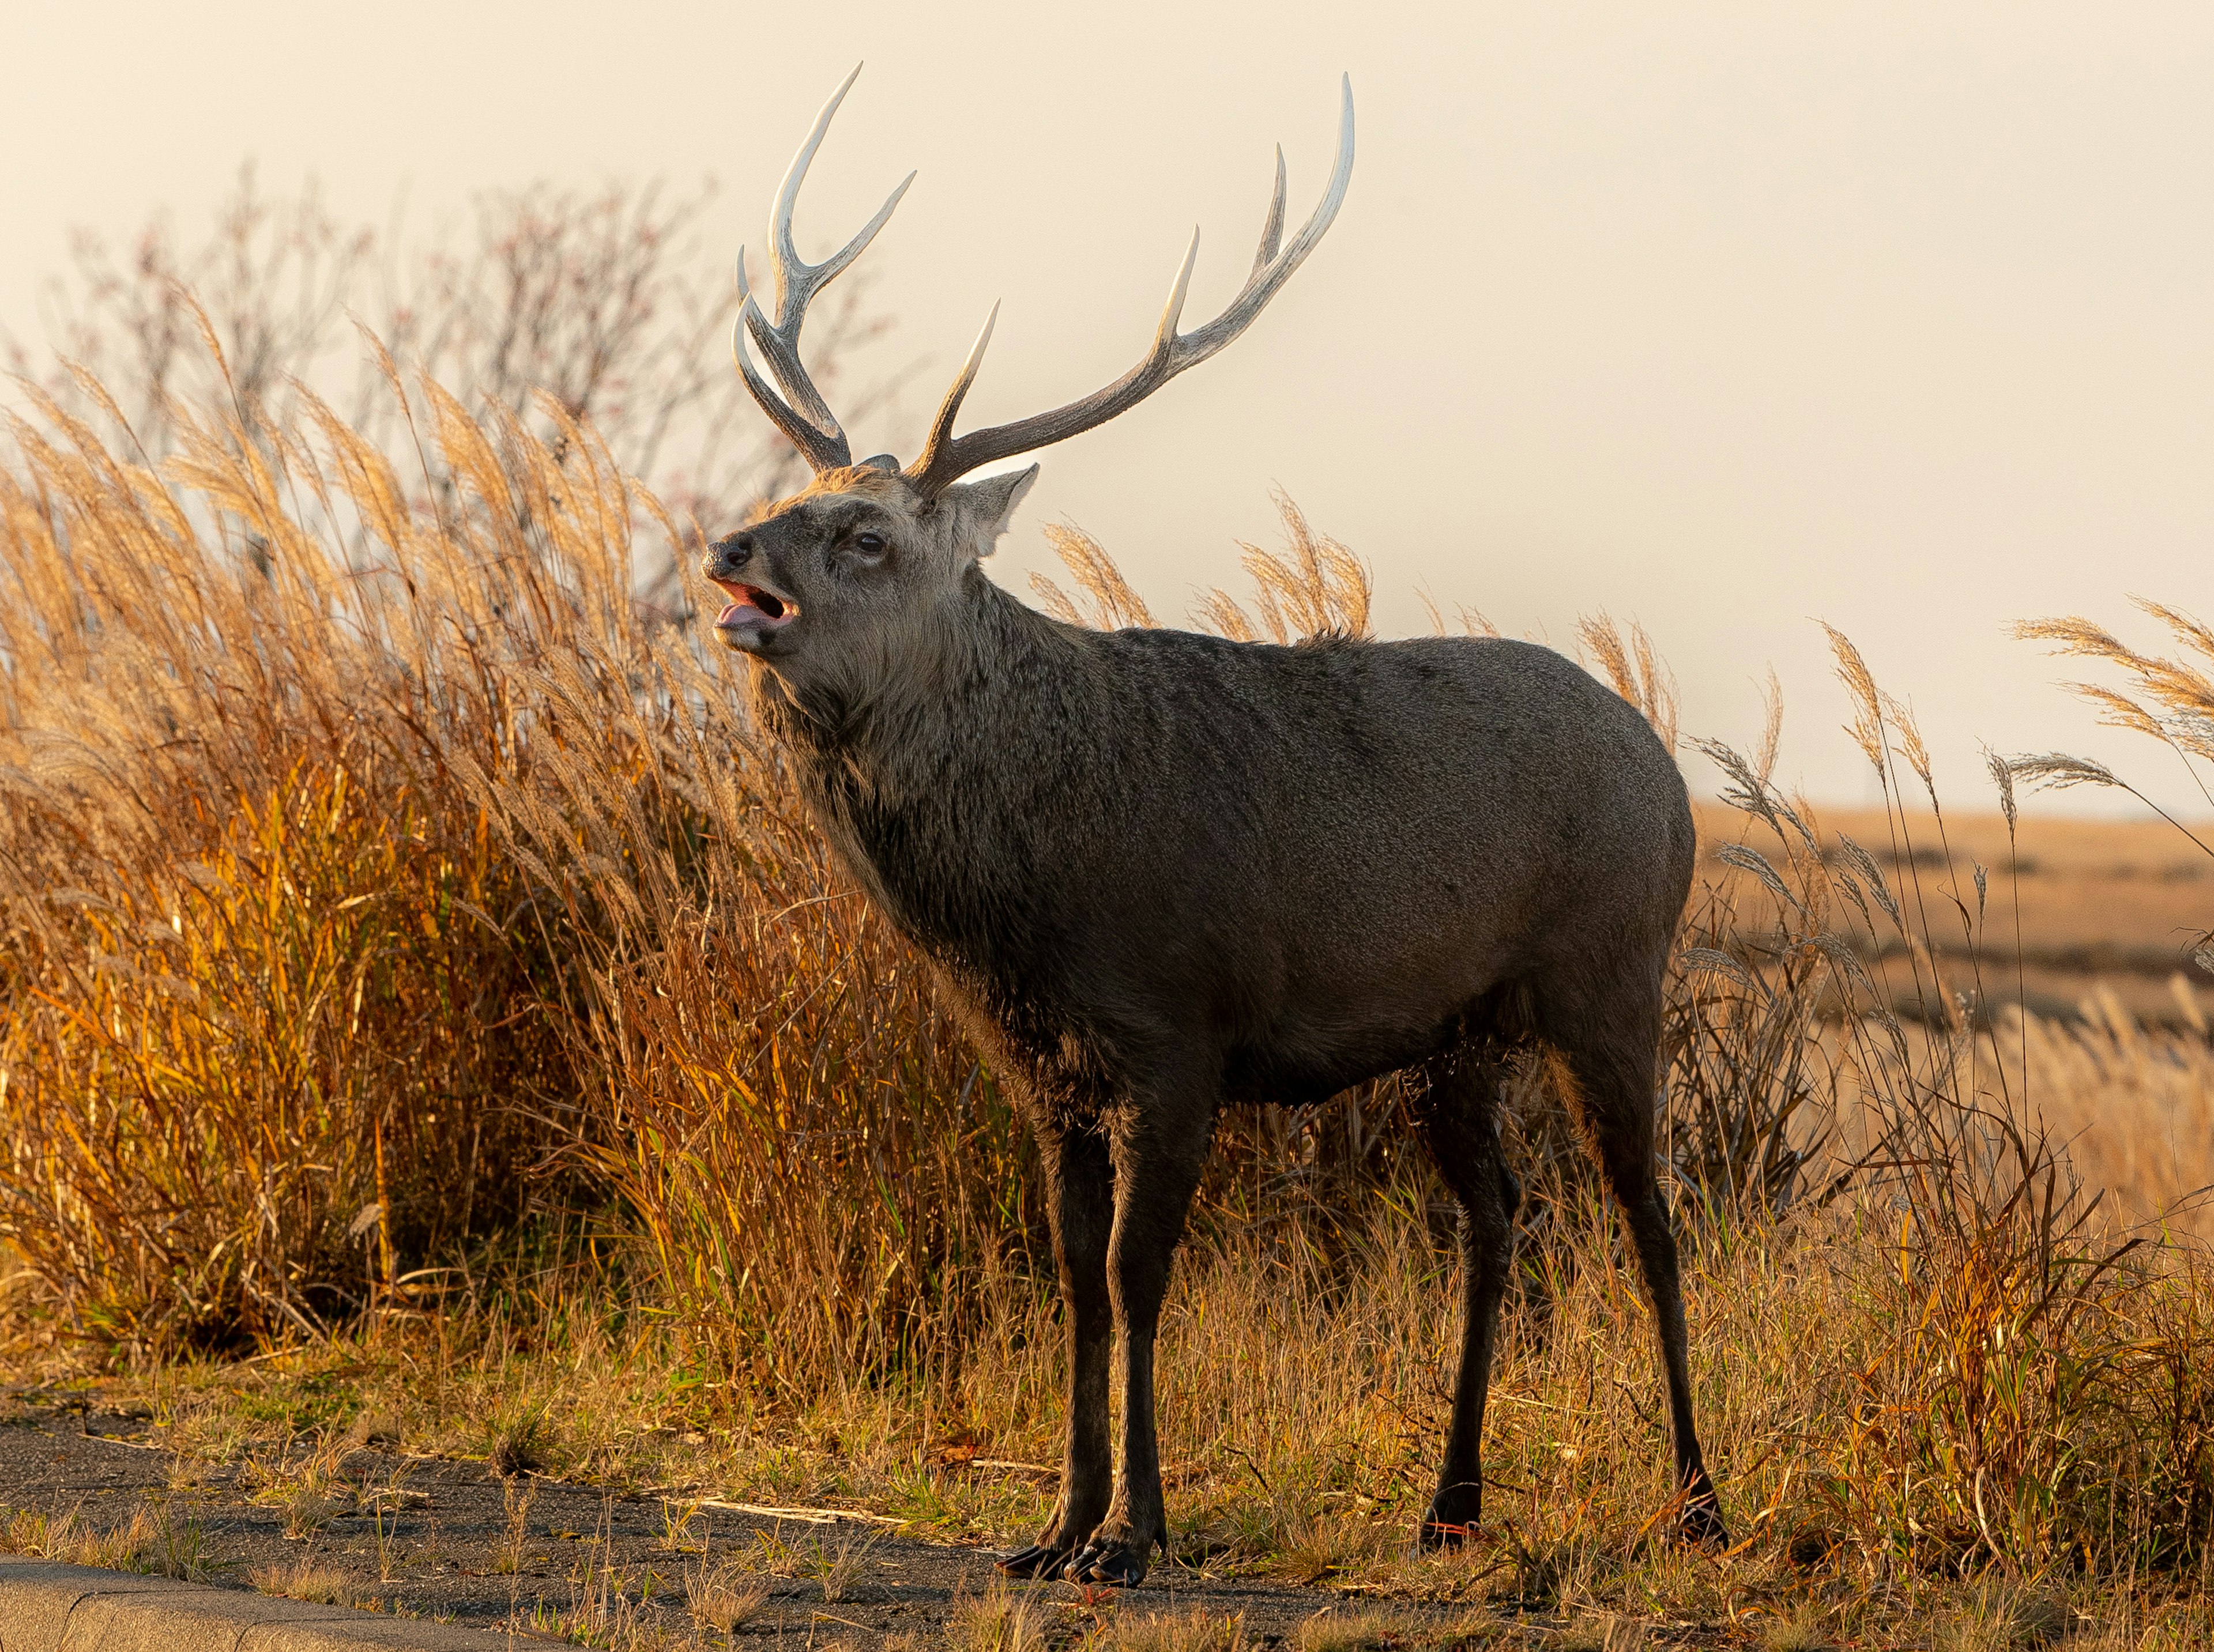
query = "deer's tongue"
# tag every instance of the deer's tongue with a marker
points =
(754, 613)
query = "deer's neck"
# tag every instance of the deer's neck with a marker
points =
(943, 786)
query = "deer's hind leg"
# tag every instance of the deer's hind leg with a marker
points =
(1459, 1110)
(1606, 1027)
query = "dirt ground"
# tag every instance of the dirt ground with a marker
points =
(457, 1541)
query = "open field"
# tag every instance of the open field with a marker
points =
(427, 1021)
(2105, 907)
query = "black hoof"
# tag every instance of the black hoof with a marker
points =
(1450, 1520)
(1037, 1561)
(1118, 1566)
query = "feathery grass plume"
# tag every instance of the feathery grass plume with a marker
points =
(1635, 669)
(1867, 727)
(1473, 622)
(1314, 587)
(1752, 861)
(1115, 605)
(2057, 772)
(2119, 711)
(1771, 728)
(1879, 718)
(2176, 706)
(2183, 692)
(2184, 720)
(2002, 773)
(1911, 746)
(1219, 613)
(1872, 878)
(1747, 789)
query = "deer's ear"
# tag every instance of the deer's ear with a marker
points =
(983, 508)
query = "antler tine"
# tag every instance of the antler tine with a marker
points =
(941, 427)
(801, 413)
(1272, 233)
(781, 346)
(790, 266)
(822, 450)
(1164, 337)
(945, 456)
(1267, 277)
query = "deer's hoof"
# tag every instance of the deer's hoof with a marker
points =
(1116, 1562)
(1450, 1520)
(1039, 1561)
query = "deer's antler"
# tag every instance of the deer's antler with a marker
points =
(947, 456)
(801, 413)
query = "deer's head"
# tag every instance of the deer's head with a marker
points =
(826, 586)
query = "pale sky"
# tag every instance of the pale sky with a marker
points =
(1722, 318)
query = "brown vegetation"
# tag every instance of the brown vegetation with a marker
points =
(410, 956)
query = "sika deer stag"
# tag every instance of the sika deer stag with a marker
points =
(1161, 872)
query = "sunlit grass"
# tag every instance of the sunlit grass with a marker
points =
(422, 980)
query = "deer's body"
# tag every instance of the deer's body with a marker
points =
(1298, 866)
(1162, 873)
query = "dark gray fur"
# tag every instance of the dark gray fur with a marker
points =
(1162, 872)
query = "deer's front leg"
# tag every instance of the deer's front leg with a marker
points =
(1160, 1150)
(1080, 1203)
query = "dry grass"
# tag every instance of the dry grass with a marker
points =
(723, 1598)
(1179, 1632)
(1353, 1631)
(416, 969)
(155, 1541)
(310, 1579)
(398, 871)
(1000, 1619)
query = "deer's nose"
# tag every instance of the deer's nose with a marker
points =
(730, 555)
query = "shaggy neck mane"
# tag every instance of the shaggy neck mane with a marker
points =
(936, 779)
(949, 683)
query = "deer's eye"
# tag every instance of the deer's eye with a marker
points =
(868, 545)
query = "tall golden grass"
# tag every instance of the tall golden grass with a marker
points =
(381, 878)
(375, 866)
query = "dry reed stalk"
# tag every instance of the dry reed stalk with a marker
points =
(2173, 704)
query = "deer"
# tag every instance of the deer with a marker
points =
(1161, 874)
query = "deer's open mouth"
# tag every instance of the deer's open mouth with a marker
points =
(754, 613)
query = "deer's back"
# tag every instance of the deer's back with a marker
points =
(1317, 856)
